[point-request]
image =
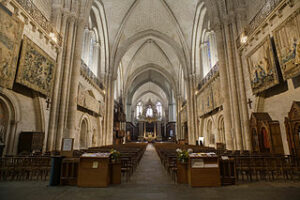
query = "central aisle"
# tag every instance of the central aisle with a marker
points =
(150, 170)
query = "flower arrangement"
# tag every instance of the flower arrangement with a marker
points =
(183, 155)
(114, 154)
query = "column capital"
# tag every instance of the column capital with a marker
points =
(97, 44)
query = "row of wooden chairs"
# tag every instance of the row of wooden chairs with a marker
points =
(24, 168)
(238, 165)
(267, 167)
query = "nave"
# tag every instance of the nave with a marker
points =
(150, 171)
(144, 99)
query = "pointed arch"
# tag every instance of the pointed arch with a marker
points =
(183, 44)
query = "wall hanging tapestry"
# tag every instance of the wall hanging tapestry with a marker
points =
(287, 42)
(11, 29)
(262, 67)
(36, 68)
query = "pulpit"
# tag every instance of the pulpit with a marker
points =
(203, 170)
(266, 135)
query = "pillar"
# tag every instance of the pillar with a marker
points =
(141, 131)
(55, 95)
(159, 137)
(64, 87)
(155, 129)
(224, 87)
(71, 126)
(233, 83)
(245, 114)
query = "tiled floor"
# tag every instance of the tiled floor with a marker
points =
(150, 181)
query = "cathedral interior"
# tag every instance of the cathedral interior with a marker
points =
(178, 99)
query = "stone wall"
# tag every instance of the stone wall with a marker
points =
(277, 101)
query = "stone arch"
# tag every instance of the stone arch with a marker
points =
(153, 67)
(84, 132)
(221, 129)
(145, 34)
(206, 13)
(12, 116)
(209, 132)
(172, 18)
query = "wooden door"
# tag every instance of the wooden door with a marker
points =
(255, 141)
(276, 139)
(296, 138)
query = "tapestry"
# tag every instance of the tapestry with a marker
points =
(36, 68)
(262, 67)
(11, 29)
(209, 97)
(287, 42)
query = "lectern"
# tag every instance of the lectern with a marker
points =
(94, 170)
(203, 170)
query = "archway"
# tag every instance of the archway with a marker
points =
(10, 116)
(210, 135)
(264, 140)
(221, 130)
(4, 118)
(83, 134)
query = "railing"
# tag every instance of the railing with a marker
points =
(24, 168)
(86, 70)
(38, 16)
(269, 6)
(214, 70)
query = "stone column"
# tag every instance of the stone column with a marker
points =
(178, 118)
(71, 126)
(141, 131)
(159, 137)
(224, 88)
(144, 125)
(190, 113)
(110, 110)
(245, 114)
(64, 86)
(155, 130)
(57, 82)
(165, 129)
(194, 79)
(233, 83)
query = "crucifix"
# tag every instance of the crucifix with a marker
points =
(48, 101)
(250, 103)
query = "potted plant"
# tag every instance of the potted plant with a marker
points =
(114, 155)
(183, 155)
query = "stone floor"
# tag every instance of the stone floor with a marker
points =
(150, 181)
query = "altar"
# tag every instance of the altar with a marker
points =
(150, 137)
(149, 120)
